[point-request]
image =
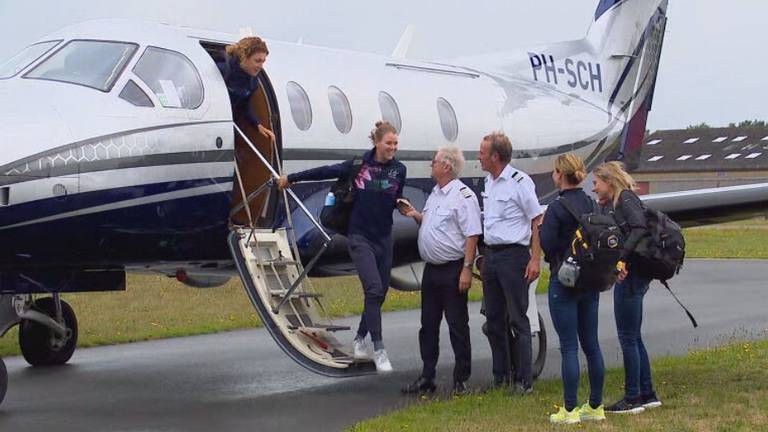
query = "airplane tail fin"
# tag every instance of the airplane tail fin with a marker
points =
(626, 37)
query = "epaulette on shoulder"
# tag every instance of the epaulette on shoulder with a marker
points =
(467, 192)
(517, 176)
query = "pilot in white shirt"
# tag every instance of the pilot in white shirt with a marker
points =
(450, 226)
(512, 215)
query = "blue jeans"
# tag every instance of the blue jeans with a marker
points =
(575, 316)
(628, 309)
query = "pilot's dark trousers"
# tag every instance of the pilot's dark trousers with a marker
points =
(505, 293)
(440, 295)
(373, 262)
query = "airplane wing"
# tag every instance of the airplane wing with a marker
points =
(711, 206)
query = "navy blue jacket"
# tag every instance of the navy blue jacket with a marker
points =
(559, 226)
(240, 86)
(377, 188)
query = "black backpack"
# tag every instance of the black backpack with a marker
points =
(336, 217)
(660, 253)
(596, 248)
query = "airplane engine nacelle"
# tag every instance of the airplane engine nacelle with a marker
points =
(407, 277)
(201, 281)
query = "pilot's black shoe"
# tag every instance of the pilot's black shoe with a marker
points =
(421, 385)
(521, 389)
(500, 381)
(460, 388)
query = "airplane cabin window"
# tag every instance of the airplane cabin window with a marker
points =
(340, 109)
(135, 95)
(301, 110)
(172, 77)
(24, 58)
(389, 111)
(448, 122)
(90, 63)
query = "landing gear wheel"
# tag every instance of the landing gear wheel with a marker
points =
(3, 380)
(538, 347)
(40, 345)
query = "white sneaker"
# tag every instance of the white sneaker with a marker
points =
(381, 359)
(362, 350)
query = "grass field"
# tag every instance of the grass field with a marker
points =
(157, 307)
(691, 388)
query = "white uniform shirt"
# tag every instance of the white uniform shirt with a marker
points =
(451, 214)
(509, 205)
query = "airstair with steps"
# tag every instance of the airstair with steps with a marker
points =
(276, 282)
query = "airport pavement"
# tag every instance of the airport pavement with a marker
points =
(242, 381)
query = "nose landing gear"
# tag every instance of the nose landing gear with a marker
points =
(48, 332)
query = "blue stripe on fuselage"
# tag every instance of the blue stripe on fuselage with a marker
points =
(180, 229)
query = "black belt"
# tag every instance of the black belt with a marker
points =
(502, 247)
(454, 262)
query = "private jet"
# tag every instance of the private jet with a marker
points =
(121, 154)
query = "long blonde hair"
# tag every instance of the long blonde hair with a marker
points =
(617, 177)
(572, 168)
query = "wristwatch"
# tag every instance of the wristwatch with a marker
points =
(468, 264)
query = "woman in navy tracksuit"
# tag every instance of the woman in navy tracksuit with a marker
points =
(378, 185)
(614, 188)
(574, 315)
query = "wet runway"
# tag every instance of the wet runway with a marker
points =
(242, 381)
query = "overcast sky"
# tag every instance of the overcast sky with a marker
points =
(713, 66)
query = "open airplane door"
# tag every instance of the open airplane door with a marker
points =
(276, 283)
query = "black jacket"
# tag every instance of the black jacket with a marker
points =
(556, 232)
(630, 215)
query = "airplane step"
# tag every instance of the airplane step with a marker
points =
(268, 270)
(299, 295)
(321, 327)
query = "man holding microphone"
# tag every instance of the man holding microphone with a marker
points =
(450, 226)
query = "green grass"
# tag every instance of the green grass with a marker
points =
(157, 307)
(719, 389)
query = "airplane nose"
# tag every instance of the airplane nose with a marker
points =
(28, 127)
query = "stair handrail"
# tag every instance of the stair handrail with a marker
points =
(286, 192)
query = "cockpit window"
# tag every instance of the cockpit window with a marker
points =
(135, 95)
(24, 58)
(91, 63)
(172, 77)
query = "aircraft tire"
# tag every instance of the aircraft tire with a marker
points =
(540, 356)
(37, 341)
(3, 380)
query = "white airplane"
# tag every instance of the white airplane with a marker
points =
(120, 155)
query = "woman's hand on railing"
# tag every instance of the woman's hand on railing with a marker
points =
(267, 133)
(283, 183)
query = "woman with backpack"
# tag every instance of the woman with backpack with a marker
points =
(574, 314)
(615, 190)
(378, 184)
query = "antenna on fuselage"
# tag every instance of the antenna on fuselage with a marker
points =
(401, 50)
(246, 32)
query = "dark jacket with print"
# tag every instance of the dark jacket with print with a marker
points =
(377, 188)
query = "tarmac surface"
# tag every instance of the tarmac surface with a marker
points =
(242, 381)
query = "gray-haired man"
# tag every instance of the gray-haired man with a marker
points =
(449, 229)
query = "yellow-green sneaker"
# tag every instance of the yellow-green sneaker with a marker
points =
(565, 417)
(586, 412)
